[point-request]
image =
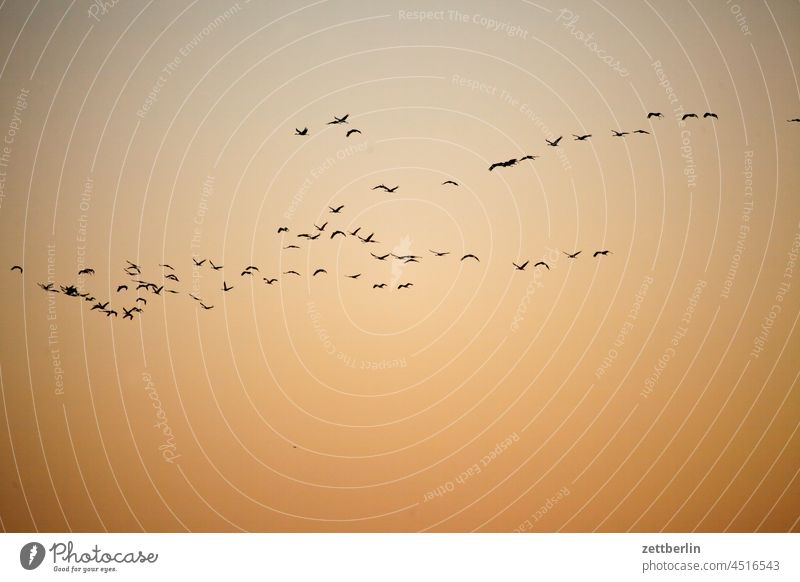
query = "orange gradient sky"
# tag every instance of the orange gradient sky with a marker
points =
(652, 389)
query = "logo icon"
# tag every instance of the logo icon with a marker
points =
(31, 555)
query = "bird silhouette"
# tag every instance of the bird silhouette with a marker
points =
(225, 286)
(282, 229)
(291, 273)
(315, 237)
(451, 182)
(128, 313)
(291, 247)
(604, 253)
(656, 114)
(204, 306)
(355, 232)
(132, 265)
(100, 306)
(166, 266)
(194, 297)
(122, 288)
(582, 137)
(142, 299)
(641, 131)
(251, 268)
(795, 120)
(440, 253)
(368, 239)
(527, 157)
(356, 276)
(337, 120)
(47, 287)
(198, 263)
(303, 235)
(506, 164)
(303, 131)
(16, 268)
(385, 188)
(619, 133)
(321, 228)
(110, 312)
(336, 210)
(470, 256)
(522, 266)
(405, 285)
(335, 232)
(269, 281)
(246, 272)
(542, 263)
(553, 143)
(571, 256)
(171, 277)
(379, 285)
(156, 290)
(688, 115)
(319, 272)
(351, 132)
(86, 272)
(381, 258)
(709, 114)
(213, 266)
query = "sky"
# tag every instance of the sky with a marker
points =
(652, 388)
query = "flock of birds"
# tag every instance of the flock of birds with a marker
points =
(136, 283)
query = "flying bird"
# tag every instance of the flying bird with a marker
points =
(381, 258)
(571, 256)
(128, 313)
(122, 288)
(405, 285)
(542, 263)
(291, 273)
(47, 287)
(198, 263)
(351, 132)
(451, 182)
(553, 143)
(156, 290)
(795, 120)
(470, 256)
(527, 157)
(246, 272)
(16, 268)
(319, 272)
(204, 306)
(688, 115)
(379, 285)
(337, 120)
(142, 299)
(440, 253)
(321, 228)
(355, 232)
(282, 229)
(656, 114)
(604, 253)
(213, 266)
(582, 137)
(709, 114)
(110, 312)
(171, 277)
(506, 164)
(368, 239)
(269, 281)
(315, 237)
(336, 210)
(303, 131)
(225, 286)
(522, 266)
(86, 272)
(641, 131)
(619, 133)
(166, 266)
(100, 306)
(356, 276)
(335, 232)
(385, 188)
(251, 268)
(291, 247)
